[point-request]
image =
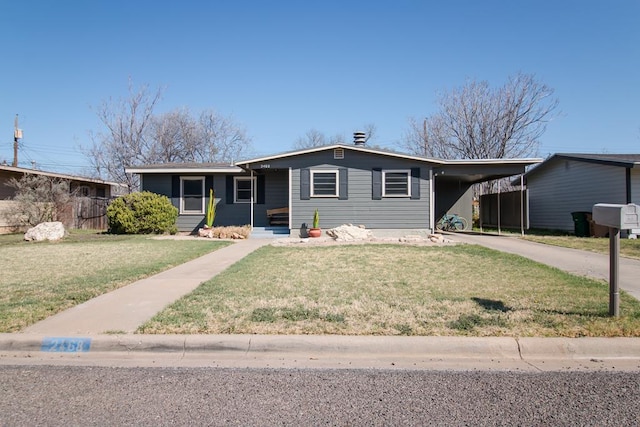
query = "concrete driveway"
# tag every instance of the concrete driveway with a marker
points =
(574, 261)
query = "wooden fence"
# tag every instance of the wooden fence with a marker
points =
(90, 213)
(507, 210)
(84, 213)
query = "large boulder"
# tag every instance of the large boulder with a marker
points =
(45, 231)
(349, 232)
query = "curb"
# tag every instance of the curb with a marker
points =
(504, 348)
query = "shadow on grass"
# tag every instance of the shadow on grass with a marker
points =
(491, 304)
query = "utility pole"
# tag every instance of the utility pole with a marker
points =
(17, 134)
(425, 138)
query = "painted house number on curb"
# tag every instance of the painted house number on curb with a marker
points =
(66, 344)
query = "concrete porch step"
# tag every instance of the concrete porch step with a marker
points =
(269, 232)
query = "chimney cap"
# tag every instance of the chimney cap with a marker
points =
(359, 138)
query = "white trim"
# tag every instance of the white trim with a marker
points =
(384, 182)
(235, 188)
(312, 172)
(183, 211)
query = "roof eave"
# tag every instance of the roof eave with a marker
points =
(230, 169)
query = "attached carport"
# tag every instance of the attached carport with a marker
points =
(453, 181)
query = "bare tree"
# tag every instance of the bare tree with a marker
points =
(135, 136)
(124, 141)
(479, 122)
(312, 138)
(315, 138)
(174, 137)
(39, 199)
(223, 140)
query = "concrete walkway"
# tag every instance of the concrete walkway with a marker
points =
(574, 261)
(124, 309)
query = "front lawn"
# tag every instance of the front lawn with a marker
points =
(41, 279)
(396, 290)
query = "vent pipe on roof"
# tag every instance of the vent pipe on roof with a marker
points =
(359, 139)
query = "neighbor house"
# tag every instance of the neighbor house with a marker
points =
(81, 186)
(347, 184)
(567, 183)
(96, 189)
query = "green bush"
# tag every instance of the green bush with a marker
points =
(142, 213)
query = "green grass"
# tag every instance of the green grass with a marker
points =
(629, 248)
(396, 290)
(41, 279)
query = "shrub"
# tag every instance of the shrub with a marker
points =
(142, 213)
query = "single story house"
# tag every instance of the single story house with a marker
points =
(567, 183)
(85, 215)
(347, 184)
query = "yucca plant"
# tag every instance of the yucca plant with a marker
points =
(211, 209)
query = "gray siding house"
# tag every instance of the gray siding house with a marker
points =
(566, 183)
(346, 183)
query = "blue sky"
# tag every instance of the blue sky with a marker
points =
(281, 68)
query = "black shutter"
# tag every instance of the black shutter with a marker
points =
(208, 184)
(415, 183)
(175, 191)
(343, 175)
(175, 187)
(260, 182)
(376, 184)
(305, 184)
(229, 189)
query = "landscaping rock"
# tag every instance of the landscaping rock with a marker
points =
(45, 231)
(205, 232)
(349, 232)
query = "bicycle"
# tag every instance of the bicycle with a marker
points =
(452, 222)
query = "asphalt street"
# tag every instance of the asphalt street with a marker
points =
(45, 395)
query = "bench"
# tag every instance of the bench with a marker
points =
(279, 216)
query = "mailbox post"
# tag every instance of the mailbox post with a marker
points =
(616, 217)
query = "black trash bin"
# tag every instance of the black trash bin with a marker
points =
(581, 223)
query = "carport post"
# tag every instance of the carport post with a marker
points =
(614, 270)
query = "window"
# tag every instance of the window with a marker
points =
(396, 183)
(242, 189)
(324, 183)
(192, 195)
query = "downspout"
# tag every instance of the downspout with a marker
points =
(252, 201)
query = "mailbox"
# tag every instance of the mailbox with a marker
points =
(623, 217)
